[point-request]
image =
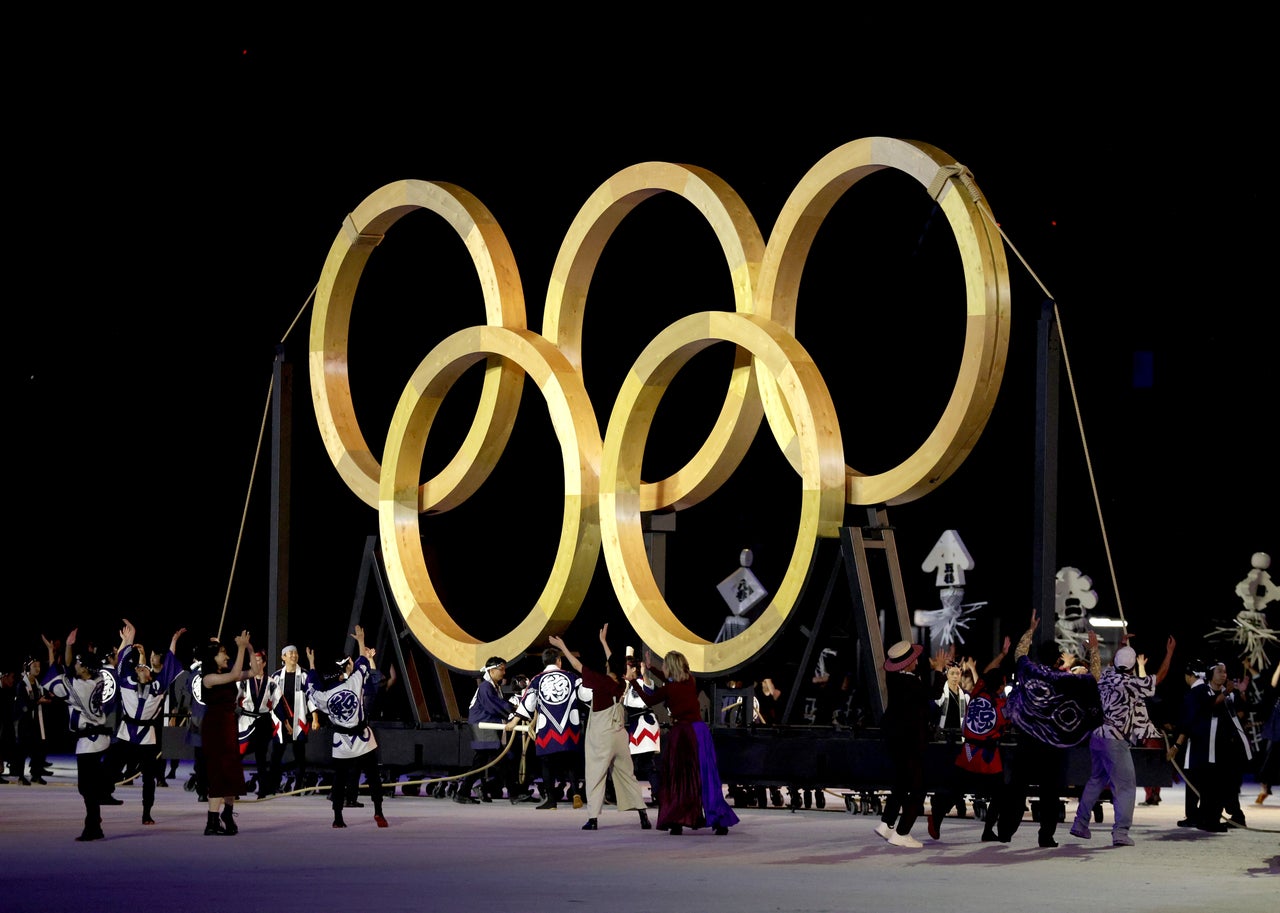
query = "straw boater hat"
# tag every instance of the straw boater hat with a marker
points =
(901, 655)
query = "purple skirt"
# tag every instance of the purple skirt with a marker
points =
(692, 793)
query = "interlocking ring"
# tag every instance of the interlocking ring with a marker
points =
(575, 426)
(331, 318)
(817, 432)
(772, 377)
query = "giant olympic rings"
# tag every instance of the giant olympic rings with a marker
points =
(773, 378)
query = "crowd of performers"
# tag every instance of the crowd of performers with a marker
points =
(596, 728)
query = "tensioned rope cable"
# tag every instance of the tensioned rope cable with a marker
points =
(965, 177)
(253, 471)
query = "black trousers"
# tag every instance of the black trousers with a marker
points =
(1044, 767)
(346, 781)
(906, 793)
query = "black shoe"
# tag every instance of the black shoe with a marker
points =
(720, 831)
(485, 797)
(147, 819)
(215, 830)
(460, 799)
(162, 783)
(229, 825)
(87, 835)
(339, 824)
(549, 803)
(1214, 827)
(989, 836)
(354, 803)
(24, 781)
(111, 800)
(676, 830)
(645, 824)
(1238, 820)
(1186, 822)
(591, 825)
(39, 779)
(1047, 842)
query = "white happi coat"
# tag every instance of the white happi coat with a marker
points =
(142, 706)
(247, 714)
(90, 703)
(344, 705)
(292, 716)
(643, 731)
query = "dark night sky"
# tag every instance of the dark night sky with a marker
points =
(192, 196)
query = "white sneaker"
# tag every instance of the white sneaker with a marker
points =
(904, 840)
(883, 831)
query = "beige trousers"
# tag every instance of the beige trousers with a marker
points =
(607, 748)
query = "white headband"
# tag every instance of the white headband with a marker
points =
(287, 649)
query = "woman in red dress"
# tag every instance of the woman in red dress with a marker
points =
(692, 793)
(218, 732)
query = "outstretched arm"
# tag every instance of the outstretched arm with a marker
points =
(1095, 657)
(173, 643)
(1168, 659)
(1024, 643)
(604, 642)
(558, 642)
(71, 642)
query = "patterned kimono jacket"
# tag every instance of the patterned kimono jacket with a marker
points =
(142, 706)
(90, 703)
(552, 700)
(344, 705)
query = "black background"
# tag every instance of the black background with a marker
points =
(178, 204)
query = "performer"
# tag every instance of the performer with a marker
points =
(692, 791)
(355, 748)
(979, 767)
(32, 739)
(552, 699)
(644, 732)
(91, 693)
(1218, 747)
(1122, 693)
(224, 771)
(294, 718)
(142, 697)
(1053, 710)
(608, 749)
(905, 730)
(488, 706)
(256, 696)
(189, 710)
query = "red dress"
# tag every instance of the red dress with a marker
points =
(220, 740)
(692, 793)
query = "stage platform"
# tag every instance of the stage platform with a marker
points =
(438, 855)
